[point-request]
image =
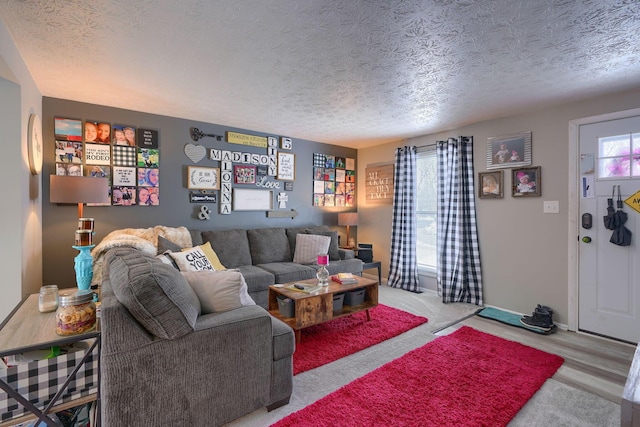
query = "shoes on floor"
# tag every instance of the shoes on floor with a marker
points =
(539, 319)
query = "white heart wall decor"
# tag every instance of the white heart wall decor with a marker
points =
(195, 152)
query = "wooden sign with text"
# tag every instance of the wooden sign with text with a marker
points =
(379, 184)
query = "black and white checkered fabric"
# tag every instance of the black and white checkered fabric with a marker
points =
(403, 268)
(459, 274)
(39, 381)
(124, 155)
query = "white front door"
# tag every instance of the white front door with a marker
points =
(609, 275)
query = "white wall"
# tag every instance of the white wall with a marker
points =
(21, 225)
(524, 252)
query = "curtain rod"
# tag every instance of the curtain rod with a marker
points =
(437, 142)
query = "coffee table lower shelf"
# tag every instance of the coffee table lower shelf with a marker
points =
(313, 309)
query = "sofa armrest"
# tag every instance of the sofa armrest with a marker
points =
(346, 253)
(239, 315)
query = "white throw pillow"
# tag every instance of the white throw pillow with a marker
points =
(219, 290)
(193, 259)
(309, 246)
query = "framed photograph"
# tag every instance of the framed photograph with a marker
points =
(243, 174)
(526, 182)
(286, 166)
(509, 151)
(490, 186)
(199, 178)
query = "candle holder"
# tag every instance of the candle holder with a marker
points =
(323, 273)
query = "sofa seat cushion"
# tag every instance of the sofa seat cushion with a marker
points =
(231, 246)
(257, 278)
(285, 272)
(269, 245)
(155, 294)
(353, 265)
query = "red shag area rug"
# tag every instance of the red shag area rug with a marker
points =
(330, 341)
(467, 378)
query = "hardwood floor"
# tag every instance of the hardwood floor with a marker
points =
(596, 365)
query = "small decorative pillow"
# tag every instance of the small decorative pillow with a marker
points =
(192, 259)
(166, 258)
(219, 290)
(213, 257)
(309, 246)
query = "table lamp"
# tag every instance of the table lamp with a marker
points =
(80, 190)
(348, 219)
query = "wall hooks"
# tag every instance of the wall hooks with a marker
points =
(197, 134)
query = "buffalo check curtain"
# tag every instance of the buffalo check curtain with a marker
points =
(458, 273)
(403, 267)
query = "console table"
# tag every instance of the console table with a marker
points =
(26, 329)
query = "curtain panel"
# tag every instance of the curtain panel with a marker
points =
(403, 266)
(459, 274)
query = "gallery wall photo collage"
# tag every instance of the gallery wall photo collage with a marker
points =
(127, 155)
(334, 180)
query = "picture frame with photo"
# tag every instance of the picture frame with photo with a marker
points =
(490, 185)
(526, 182)
(244, 174)
(509, 151)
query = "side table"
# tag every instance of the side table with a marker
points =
(374, 264)
(26, 329)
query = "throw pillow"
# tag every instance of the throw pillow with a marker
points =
(165, 244)
(309, 246)
(212, 256)
(166, 258)
(334, 253)
(219, 290)
(192, 259)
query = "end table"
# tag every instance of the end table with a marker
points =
(374, 264)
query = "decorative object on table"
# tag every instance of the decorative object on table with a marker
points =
(80, 190)
(365, 252)
(526, 182)
(76, 312)
(48, 299)
(323, 273)
(509, 151)
(344, 278)
(348, 219)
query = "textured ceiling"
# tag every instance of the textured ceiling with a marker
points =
(352, 72)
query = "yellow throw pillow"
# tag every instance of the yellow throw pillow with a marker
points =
(211, 254)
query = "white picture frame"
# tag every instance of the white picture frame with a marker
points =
(286, 166)
(201, 178)
(245, 199)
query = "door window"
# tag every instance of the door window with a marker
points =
(619, 156)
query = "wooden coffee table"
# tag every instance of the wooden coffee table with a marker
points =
(315, 308)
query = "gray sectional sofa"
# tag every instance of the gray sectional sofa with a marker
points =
(265, 255)
(164, 363)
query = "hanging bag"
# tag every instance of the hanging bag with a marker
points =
(621, 235)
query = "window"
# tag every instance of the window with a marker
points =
(619, 156)
(426, 203)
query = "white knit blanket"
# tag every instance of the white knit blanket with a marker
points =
(144, 239)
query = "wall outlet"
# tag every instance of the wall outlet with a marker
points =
(551, 206)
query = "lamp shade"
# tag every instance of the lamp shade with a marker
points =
(78, 189)
(348, 218)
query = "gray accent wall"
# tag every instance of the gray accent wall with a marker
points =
(60, 221)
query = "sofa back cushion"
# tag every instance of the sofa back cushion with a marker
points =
(269, 245)
(156, 294)
(231, 246)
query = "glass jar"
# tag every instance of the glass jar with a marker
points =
(48, 299)
(76, 312)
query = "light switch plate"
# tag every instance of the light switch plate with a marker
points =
(552, 206)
